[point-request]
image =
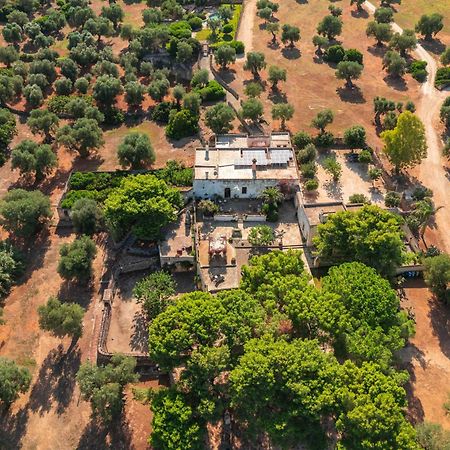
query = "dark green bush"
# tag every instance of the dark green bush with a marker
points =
(212, 92)
(228, 28)
(195, 23)
(308, 170)
(113, 116)
(324, 140)
(161, 112)
(335, 54)
(312, 185)
(301, 140)
(238, 46)
(353, 55)
(442, 77)
(365, 157)
(58, 103)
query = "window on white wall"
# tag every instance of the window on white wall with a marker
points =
(244, 189)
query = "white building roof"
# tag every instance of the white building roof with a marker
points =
(235, 157)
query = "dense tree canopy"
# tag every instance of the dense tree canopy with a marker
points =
(142, 204)
(76, 259)
(370, 235)
(405, 145)
(258, 353)
(23, 213)
(136, 151)
(13, 380)
(10, 267)
(61, 319)
(103, 386)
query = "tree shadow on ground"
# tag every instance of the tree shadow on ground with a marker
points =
(273, 45)
(291, 52)
(333, 189)
(377, 50)
(359, 14)
(435, 46)
(13, 428)
(115, 436)
(55, 381)
(354, 95)
(228, 75)
(139, 337)
(440, 319)
(276, 96)
(397, 83)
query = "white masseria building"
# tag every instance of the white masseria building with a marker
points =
(241, 166)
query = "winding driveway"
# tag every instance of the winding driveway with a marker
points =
(431, 171)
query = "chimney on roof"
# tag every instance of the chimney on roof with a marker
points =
(254, 167)
(207, 152)
(242, 152)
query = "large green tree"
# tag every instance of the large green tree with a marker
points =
(24, 213)
(103, 386)
(142, 204)
(405, 145)
(76, 259)
(13, 380)
(61, 319)
(136, 151)
(32, 158)
(369, 235)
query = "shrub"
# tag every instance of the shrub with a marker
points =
(365, 157)
(58, 104)
(392, 199)
(307, 154)
(86, 216)
(335, 54)
(195, 23)
(238, 46)
(63, 86)
(271, 212)
(208, 207)
(324, 140)
(161, 112)
(421, 193)
(418, 70)
(353, 55)
(442, 77)
(261, 235)
(308, 170)
(359, 198)
(212, 92)
(312, 185)
(301, 139)
(228, 28)
(114, 116)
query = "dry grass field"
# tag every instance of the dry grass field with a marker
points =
(409, 12)
(311, 83)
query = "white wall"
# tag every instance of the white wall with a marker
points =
(210, 188)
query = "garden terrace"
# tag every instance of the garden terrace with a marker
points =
(98, 185)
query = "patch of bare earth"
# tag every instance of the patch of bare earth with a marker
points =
(427, 356)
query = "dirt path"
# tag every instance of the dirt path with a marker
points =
(245, 32)
(431, 171)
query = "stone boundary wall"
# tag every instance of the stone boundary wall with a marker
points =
(143, 360)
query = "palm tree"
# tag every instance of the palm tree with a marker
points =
(425, 211)
(272, 196)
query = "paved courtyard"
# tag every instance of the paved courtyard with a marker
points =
(354, 180)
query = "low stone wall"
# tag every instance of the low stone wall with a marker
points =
(143, 361)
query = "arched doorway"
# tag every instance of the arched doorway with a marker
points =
(227, 193)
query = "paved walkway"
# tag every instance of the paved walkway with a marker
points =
(431, 171)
